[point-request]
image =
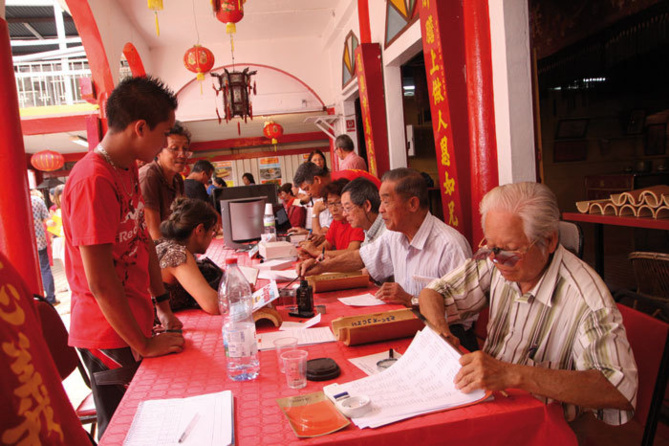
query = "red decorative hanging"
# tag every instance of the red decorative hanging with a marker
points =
(47, 160)
(229, 12)
(199, 59)
(273, 131)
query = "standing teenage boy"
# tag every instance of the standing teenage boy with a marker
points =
(111, 261)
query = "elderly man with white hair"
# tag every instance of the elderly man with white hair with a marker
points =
(554, 328)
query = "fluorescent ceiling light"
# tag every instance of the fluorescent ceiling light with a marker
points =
(79, 140)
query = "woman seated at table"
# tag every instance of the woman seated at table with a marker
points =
(340, 235)
(188, 231)
(296, 213)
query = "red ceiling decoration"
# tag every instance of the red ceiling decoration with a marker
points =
(47, 160)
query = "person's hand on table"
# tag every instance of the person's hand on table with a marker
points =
(309, 267)
(316, 239)
(393, 293)
(163, 344)
(298, 231)
(482, 371)
(168, 320)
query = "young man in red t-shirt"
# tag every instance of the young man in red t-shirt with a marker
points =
(112, 267)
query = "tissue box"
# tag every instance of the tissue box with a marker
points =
(276, 250)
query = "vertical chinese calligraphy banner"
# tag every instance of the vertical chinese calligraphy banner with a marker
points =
(373, 106)
(443, 49)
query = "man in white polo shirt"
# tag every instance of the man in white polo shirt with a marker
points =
(416, 248)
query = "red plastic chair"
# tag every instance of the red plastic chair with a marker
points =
(65, 357)
(649, 339)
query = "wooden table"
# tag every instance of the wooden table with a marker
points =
(201, 368)
(600, 220)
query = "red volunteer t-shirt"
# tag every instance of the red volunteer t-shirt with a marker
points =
(102, 204)
(341, 234)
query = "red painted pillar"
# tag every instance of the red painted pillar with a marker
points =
(17, 237)
(481, 106)
(363, 21)
(443, 47)
(369, 70)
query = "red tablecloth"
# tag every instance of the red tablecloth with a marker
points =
(200, 368)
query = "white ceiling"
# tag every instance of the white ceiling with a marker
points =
(263, 20)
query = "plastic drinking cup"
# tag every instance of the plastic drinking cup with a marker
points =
(295, 364)
(281, 345)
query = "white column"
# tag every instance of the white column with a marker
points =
(65, 66)
(512, 83)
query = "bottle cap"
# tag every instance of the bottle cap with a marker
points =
(230, 260)
(269, 209)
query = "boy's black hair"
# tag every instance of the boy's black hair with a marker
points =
(136, 98)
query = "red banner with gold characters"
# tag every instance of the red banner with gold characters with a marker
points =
(34, 406)
(441, 116)
(373, 106)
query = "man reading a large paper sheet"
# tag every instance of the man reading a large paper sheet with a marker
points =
(554, 328)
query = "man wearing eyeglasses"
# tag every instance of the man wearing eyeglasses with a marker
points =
(415, 248)
(554, 328)
(161, 181)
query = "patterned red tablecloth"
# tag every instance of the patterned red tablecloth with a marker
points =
(200, 368)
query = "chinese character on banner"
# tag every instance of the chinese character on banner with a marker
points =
(439, 106)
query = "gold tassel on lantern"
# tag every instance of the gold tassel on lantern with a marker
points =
(155, 6)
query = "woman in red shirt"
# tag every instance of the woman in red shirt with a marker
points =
(340, 235)
(296, 213)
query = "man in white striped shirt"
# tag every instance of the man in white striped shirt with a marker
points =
(554, 328)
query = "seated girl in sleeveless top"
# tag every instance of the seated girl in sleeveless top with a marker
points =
(188, 231)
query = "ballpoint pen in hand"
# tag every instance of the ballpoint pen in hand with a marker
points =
(189, 428)
(322, 256)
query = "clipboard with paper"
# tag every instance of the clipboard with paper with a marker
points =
(429, 365)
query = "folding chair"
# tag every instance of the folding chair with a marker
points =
(65, 357)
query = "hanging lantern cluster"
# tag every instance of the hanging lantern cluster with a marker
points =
(236, 89)
(47, 160)
(273, 131)
(199, 60)
(155, 6)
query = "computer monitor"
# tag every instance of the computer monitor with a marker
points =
(268, 190)
(242, 220)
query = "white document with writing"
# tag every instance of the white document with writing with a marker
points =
(363, 300)
(290, 325)
(280, 276)
(308, 336)
(206, 420)
(421, 381)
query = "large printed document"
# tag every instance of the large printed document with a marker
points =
(421, 381)
(198, 420)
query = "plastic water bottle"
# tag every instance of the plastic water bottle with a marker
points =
(270, 225)
(239, 330)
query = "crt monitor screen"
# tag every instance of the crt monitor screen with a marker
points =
(268, 190)
(242, 220)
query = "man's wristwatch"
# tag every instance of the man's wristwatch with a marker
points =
(414, 301)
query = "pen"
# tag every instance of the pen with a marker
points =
(189, 428)
(322, 257)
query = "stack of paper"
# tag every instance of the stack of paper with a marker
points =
(198, 420)
(421, 381)
(306, 336)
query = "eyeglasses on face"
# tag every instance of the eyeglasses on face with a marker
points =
(334, 205)
(501, 256)
(349, 209)
(179, 152)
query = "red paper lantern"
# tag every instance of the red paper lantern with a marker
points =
(199, 59)
(230, 12)
(273, 131)
(47, 160)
